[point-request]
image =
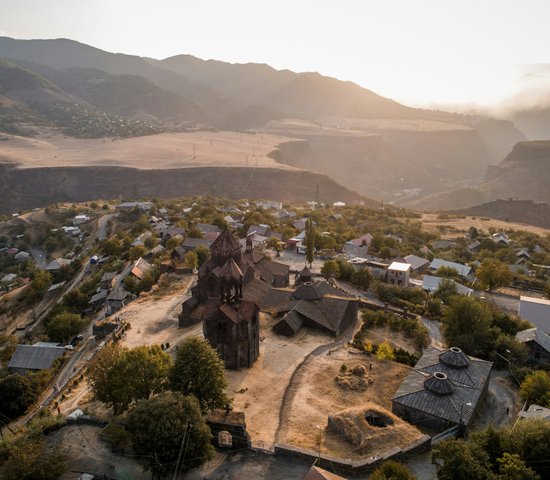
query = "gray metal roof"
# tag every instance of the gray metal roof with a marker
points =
(536, 335)
(466, 383)
(35, 357)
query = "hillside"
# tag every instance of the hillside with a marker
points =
(523, 174)
(38, 187)
(521, 211)
(398, 153)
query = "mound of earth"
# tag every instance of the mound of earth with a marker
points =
(358, 425)
(356, 379)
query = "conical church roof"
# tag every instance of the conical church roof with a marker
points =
(439, 383)
(230, 270)
(307, 291)
(226, 245)
(454, 358)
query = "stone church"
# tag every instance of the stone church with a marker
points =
(224, 298)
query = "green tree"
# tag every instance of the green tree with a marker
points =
(458, 460)
(385, 351)
(362, 278)
(310, 241)
(192, 259)
(199, 371)
(377, 242)
(445, 290)
(391, 470)
(194, 232)
(203, 254)
(512, 467)
(150, 242)
(38, 287)
(331, 268)
(535, 388)
(492, 273)
(64, 326)
(447, 272)
(30, 459)
(119, 377)
(8, 344)
(136, 252)
(76, 301)
(17, 393)
(110, 247)
(160, 426)
(467, 325)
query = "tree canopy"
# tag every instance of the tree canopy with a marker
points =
(120, 377)
(493, 273)
(467, 324)
(160, 426)
(507, 453)
(535, 388)
(391, 470)
(64, 326)
(199, 371)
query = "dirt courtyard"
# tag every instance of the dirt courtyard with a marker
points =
(315, 395)
(154, 318)
(264, 384)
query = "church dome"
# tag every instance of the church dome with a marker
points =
(224, 247)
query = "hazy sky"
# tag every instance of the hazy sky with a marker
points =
(416, 51)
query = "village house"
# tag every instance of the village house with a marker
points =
(97, 300)
(80, 219)
(522, 256)
(431, 284)
(107, 280)
(22, 257)
(140, 268)
(116, 300)
(445, 388)
(269, 204)
(31, 358)
(501, 238)
(474, 246)
(443, 244)
(399, 274)
(57, 264)
(536, 310)
(537, 342)
(140, 240)
(463, 270)
(191, 244)
(129, 206)
(418, 264)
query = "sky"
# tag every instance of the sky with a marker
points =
(419, 52)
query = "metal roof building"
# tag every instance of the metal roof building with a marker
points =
(445, 388)
(40, 356)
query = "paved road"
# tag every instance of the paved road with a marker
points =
(434, 330)
(501, 405)
(504, 302)
(102, 232)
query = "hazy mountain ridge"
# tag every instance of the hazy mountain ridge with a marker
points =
(420, 153)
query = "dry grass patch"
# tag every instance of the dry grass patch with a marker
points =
(317, 395)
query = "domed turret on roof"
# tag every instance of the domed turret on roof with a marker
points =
(439, 383)
(454, 357)
(304, 276)
(226, 246)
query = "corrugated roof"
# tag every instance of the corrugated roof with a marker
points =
(535, 335)
(35, 357)
(467, 384)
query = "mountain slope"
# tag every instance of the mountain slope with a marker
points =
(523, 174)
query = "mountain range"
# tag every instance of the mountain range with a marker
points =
(369, 143)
